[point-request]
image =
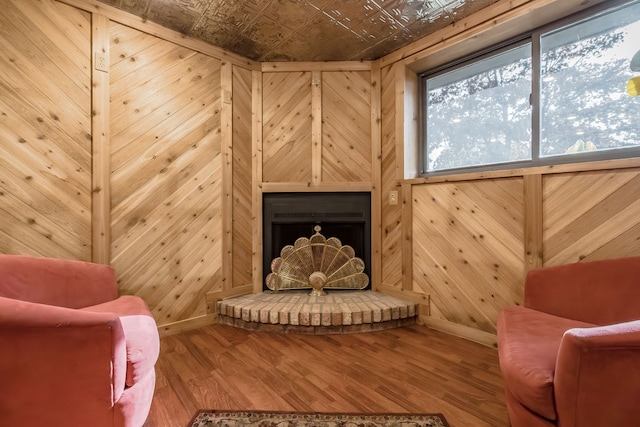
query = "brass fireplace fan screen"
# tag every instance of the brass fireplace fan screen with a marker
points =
(317, 263)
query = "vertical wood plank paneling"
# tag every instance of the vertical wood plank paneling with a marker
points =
(101, 150)
(591, 215)
(45, 130)
(376, 176)
(226, 152)
(346, 126)
(391, 214)
(167, 179)
(286, 134)
(406, 244)
(256, 178)
(242, 180)
(468, 246)
(533, 222)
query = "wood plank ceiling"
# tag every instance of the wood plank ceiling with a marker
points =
(304, 30)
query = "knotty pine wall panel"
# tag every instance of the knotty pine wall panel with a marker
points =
(242, 178)
(286, 110)
(346, 126)
(468, 240)
(391, 214)
(591, 215)
(45, 130)
(165, 173)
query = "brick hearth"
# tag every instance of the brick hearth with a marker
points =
(339, 312)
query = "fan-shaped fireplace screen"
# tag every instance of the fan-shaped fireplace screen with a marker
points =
(317, 263)
(288, 221)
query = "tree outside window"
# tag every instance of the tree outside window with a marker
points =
(480, 113)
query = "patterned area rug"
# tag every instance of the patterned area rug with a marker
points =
(301, 419)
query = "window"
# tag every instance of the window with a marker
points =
(479, 114)
(584, 69)
(555, 95)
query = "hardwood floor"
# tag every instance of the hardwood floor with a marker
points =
(410, 369)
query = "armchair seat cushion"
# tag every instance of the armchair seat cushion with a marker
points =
(140, 332)
(528, 343)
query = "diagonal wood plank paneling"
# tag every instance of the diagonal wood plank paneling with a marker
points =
(286, 111)
(591, 215)
(45, 130)
(166, 173)
(242, 180)
(468, 245)
(391, 215)
(346, 126)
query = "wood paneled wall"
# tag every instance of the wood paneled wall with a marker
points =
(286, 134)
(242, 178)
(460, 245)
(346, 127)
(149, 151)
(125, 143)
(45, 130)
(468, 240)
(391, 214)
(317, 129)
(591, 215)
(166, 173)
(474, 239)
(170, 191)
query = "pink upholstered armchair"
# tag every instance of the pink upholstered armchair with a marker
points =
(71, 352)
(571, 356)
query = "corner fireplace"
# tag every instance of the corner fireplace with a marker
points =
(288, 216)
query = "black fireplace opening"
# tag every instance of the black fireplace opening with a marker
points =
(289, 216)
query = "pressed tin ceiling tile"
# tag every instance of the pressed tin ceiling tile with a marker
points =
(266, 31)
(235, 16)
(292, 14)
(304, 30)
(177, 15)
(326, 40)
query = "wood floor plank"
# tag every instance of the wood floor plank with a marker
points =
(412, 369)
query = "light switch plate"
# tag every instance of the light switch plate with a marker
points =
(393, 197)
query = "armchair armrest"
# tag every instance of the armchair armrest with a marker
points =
(597, 377)
(55, 358)
(64, 283)
(596, 292)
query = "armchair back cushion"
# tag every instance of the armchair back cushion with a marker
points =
(59, 282)
(597, 292)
